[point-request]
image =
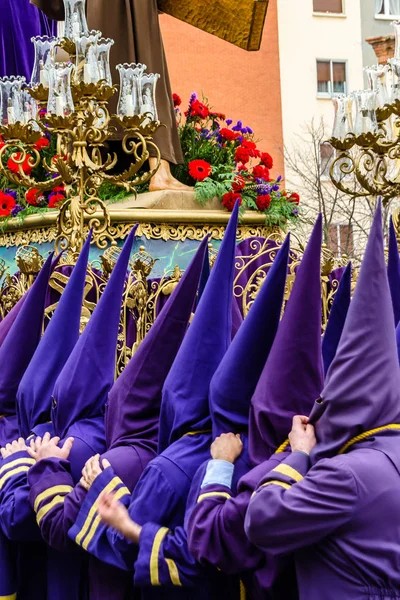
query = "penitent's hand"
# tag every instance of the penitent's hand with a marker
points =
(114, 514)
(47, 447)
(16, 446)
(302, 437)
(227, 446)
(91, 470)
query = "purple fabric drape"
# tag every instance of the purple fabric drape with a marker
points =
(20, 21)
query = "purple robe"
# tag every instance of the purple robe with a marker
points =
(20, 21)
(106, 582)
(340, 519)
(217, 538)
(158, 504)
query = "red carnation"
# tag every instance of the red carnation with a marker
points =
(198, 109)
(59, 188)
(263, 202)
(261, 172)
(228, 134)
(295, 198)
(32, 196)
(7, 203)
(55, 199)
(177, 100)
(238, 184)
(267, 160)
(242, 155)
(229, 200)
(199, 169)
(2, 143)
(14, 167)
(251, 148)
(42, 143)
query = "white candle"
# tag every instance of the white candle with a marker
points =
(87, 74)
(129, 105)
(44, 79)
(10, 114)
(75, 26)
(60, 106)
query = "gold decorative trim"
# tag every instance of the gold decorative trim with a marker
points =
(153, 225)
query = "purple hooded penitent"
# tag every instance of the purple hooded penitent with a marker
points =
(237, 375)
(184, 406)
(10, 317)
(293, 375)
(133, 410)
(362, 389)
(337, 318)
(393, 271)
(62, 333)
(81, 389)
(21, 342)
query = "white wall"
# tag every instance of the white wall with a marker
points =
(304, 37)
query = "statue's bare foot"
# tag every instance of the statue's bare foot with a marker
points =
(158, 184)
(163, 179)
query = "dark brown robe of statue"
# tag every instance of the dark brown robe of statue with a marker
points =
(134, 26)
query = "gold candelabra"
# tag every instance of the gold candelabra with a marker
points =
(82, 163)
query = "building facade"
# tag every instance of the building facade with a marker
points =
(376, 17)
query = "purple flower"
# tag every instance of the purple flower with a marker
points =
(17, 209)
(262, 188)
(192, 98)
(229, 122)
(240, 139)
(238, 126)
(275, 188)
(279, 178)
(11, 192)
(249, 130)
(295, 212)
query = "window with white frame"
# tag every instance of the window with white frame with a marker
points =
(331, 77)
(340, 239)
(387, 8)
(328, 6)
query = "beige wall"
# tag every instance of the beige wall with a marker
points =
(241, 84)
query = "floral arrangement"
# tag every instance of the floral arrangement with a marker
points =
(222, 160)
(14, 199)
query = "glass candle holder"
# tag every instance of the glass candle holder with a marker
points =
(11, 100)
(45, 48)
(148, 84)
(377, 80)
(60, 101)
(75, 19)
(130, 75)
(30, 110)
(103, 59)
(87, 66)
(365, 118)
(343, 123)
(395, 89)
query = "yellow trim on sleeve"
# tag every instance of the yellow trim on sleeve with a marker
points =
(287, 486)
(173, 572)
(366, 434)
(14, 463)
(96, 522)
(51, 491)
(48, 507)
(212, 495)
(12, 597)
(85, 528)
(160, 535)
(289, 471)
(10, 474)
